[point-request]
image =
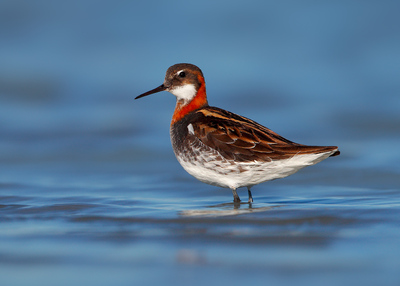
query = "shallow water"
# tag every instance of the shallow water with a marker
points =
(91, 193)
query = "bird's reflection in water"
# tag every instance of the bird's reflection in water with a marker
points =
(226, 209)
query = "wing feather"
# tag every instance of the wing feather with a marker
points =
(239, 138)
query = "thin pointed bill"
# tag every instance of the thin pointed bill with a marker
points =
(157, 89)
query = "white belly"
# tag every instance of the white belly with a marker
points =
(229, 174)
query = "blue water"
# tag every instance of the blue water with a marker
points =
(90, 190)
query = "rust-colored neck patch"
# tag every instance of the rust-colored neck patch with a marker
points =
(198, 101)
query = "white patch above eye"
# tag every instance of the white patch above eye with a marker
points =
(190, 128)
(186, 92)
(179, 72)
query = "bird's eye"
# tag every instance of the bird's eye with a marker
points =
(182, 74)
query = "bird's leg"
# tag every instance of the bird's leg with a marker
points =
(236, 198)
(250, 196)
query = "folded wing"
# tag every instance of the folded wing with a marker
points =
(241, 139)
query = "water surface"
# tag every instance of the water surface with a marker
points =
(91, 193)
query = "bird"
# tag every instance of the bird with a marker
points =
(222, 148)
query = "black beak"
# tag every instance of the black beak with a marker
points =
(157, 89)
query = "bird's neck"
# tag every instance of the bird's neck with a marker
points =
(182, 108)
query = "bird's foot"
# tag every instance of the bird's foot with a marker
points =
(236, 198)
(250, 196)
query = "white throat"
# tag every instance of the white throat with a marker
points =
(185, 92)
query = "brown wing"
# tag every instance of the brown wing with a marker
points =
(242, 139)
